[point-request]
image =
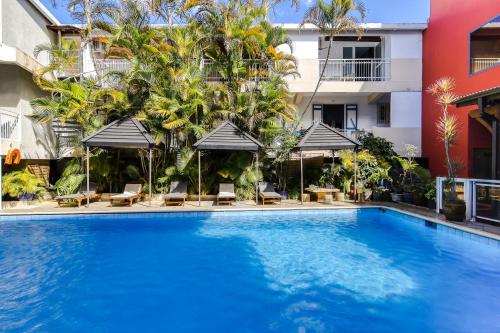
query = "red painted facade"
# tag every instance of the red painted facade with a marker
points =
(446, 54)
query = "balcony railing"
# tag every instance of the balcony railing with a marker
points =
(253, 70)
(105, 66)
(10, 127)
(355, 69)
(479, 64)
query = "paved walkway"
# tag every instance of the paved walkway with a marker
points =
(50, 207)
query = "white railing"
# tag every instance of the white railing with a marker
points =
(10, 126)
(481, 196)
(253, 70)
(479, 64)
(105, 66)
(355, 69)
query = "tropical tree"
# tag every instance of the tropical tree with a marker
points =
(333, 17)
(447, 125)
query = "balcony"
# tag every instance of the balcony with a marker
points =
(355, 69)
(480, 64)
(106, 66)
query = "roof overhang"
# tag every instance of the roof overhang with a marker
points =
(127, 132)
(45, 12)
(490, 95)
(323, 137)
(227, 136)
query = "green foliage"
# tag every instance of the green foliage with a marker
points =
(285, 141)
(71, 178)
(17, 183)
(369, 171)
(377, 146)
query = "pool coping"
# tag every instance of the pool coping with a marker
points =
(267, 209)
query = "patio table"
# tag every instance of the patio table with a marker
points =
(321, 193)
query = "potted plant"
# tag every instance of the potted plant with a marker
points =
(430, 195)
(447, 128)
(23, 185)
(408, 165)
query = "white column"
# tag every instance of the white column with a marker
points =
(301, 180)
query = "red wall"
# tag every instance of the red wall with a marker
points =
(446, 54)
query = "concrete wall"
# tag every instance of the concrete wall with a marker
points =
(446, 54)
(406, 109)
(17, 89)
(24, 27)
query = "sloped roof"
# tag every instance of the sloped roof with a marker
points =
(227, 136)
(127, 132)
(322, 137)
(472, 99)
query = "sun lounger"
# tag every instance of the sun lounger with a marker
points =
(177, 194)
(80, 196)
(131, 193)
(226, 194)
(268, 194)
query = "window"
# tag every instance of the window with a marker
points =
(383, 114)
(485, 46)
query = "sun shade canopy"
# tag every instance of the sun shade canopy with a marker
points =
(127, 132)
(228, 137)
(322, 137)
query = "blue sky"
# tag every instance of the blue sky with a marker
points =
(385, 11)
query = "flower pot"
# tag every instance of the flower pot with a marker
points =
(396, 197)
(340, 196)
(27, 197)
(454, 210)
(408, 197)
(431, 204)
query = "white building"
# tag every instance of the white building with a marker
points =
(23, 26)
(372, 84)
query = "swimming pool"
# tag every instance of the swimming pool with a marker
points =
(343, 270)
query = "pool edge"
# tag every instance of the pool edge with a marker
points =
(266, 209)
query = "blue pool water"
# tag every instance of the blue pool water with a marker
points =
(294, 272)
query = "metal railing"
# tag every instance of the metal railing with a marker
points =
(355, 69)
(252, 70)
(106, 66)
(481, 196)
(479, 64)
(10, 126)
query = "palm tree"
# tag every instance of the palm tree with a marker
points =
(332, 18)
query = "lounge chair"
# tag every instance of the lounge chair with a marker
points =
(177, 194)
(131, 193)
(80, 196)
(268, 194)
(226, 194)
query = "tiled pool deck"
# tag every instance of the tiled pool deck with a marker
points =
(50, 207)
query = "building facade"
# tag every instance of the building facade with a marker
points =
(23, 26)
(370, 84)
(462, 41)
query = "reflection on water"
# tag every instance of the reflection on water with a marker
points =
(299, 258)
